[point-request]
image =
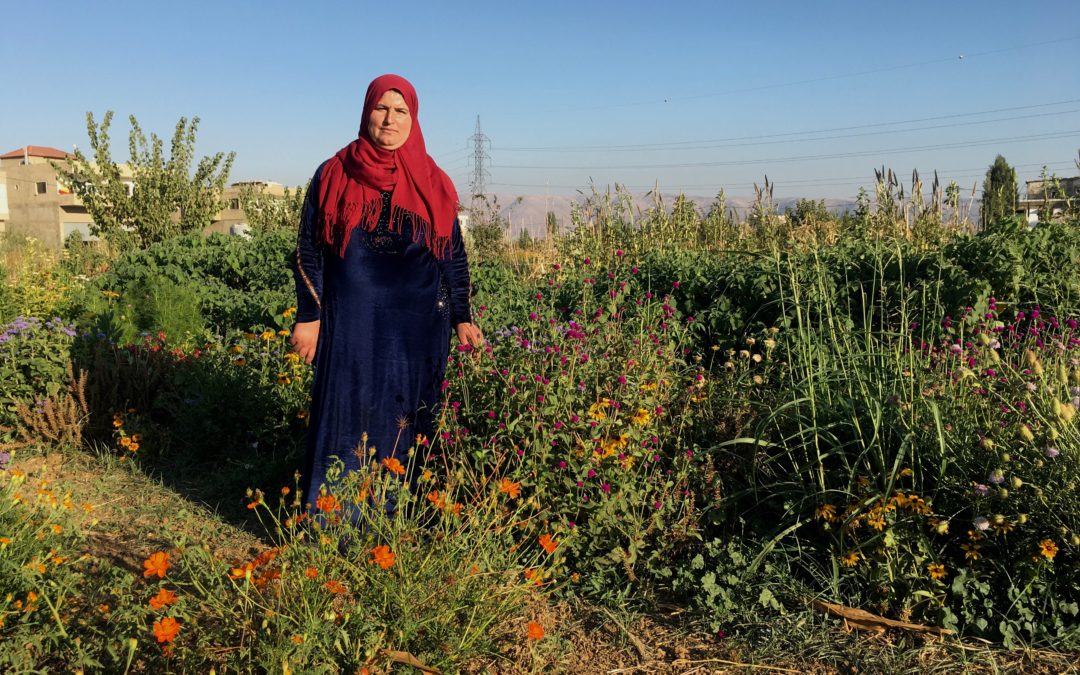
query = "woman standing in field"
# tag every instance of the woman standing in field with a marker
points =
(381, 277)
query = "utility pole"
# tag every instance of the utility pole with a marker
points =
(481, 160)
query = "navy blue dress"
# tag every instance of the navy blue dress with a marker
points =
(386, 312)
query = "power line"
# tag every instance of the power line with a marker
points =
(799, 158)
(806, 182)
(700, 142)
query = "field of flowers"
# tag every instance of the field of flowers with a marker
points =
(738, 423)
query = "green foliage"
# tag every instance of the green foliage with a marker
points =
(235, 282)
(266, 212)
(36, 282)
(33, 362)
(486, 233)
(1000, 192)
(165, 197)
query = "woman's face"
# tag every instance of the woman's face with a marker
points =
(390, 121)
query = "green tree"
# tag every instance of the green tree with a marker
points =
(808, 212)
(165, 197)
(488, 229)
(1000, 194)
(266, 212)
(551, 226)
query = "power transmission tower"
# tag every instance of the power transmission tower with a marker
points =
(480, 144)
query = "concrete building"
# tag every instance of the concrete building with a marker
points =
(33, 202)
(231, 219)
(1043, 194)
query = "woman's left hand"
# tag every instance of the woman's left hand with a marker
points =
(469, 334)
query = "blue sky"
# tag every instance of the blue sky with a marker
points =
(695, 96)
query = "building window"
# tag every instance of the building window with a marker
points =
(234, 204)
(42, 188)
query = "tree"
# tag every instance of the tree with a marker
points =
(551, 226)
(165, 198)
(266, 212)
(1000, 194)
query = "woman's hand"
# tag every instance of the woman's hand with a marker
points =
(469, 334)
(305, 337)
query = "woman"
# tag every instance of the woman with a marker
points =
(381, 276)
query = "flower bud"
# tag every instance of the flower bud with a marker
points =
(984, 339)
(1025, 434)
(1075, 539)
(1022, 518)
(1006, 457)
(1017, 483)
(999, 519)
(1003, 493)
(986, 443)
(1063, 374)
(1067, 413)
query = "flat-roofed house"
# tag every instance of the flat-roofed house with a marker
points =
(1049, 196)
(37, 203)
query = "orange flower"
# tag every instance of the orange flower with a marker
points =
(436, 499)
(535, 576)
(241, 572)
(298, 639)
(265, 557)
(311, 573)
(509, 487)
(157, 563)
(534, 631)
(335, 587)
(548, 543)
(383, 556)
(166, 630)
(326, 503)
(392, 465)
(164, 597)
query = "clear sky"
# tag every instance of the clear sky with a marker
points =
(693, 96)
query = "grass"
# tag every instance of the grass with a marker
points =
(132, 515)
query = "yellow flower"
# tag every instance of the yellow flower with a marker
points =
(1048, 549)
(826, 512)
(292, 357)
(596, 410)
(850, 559)
(267, 335)
(289, 311)
(936, 572)
(240, 361)
(648, 386)
(971, 551)
(641, 418)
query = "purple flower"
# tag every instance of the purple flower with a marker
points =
(996, 477)
(981, 490)
(981, 523)
(1051, 452)
(5, 459)
(605, 488)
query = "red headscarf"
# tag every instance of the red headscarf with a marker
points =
(352, 180)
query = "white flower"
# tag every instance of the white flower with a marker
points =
(981, 523)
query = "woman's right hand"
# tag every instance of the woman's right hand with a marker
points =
(305, 337)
